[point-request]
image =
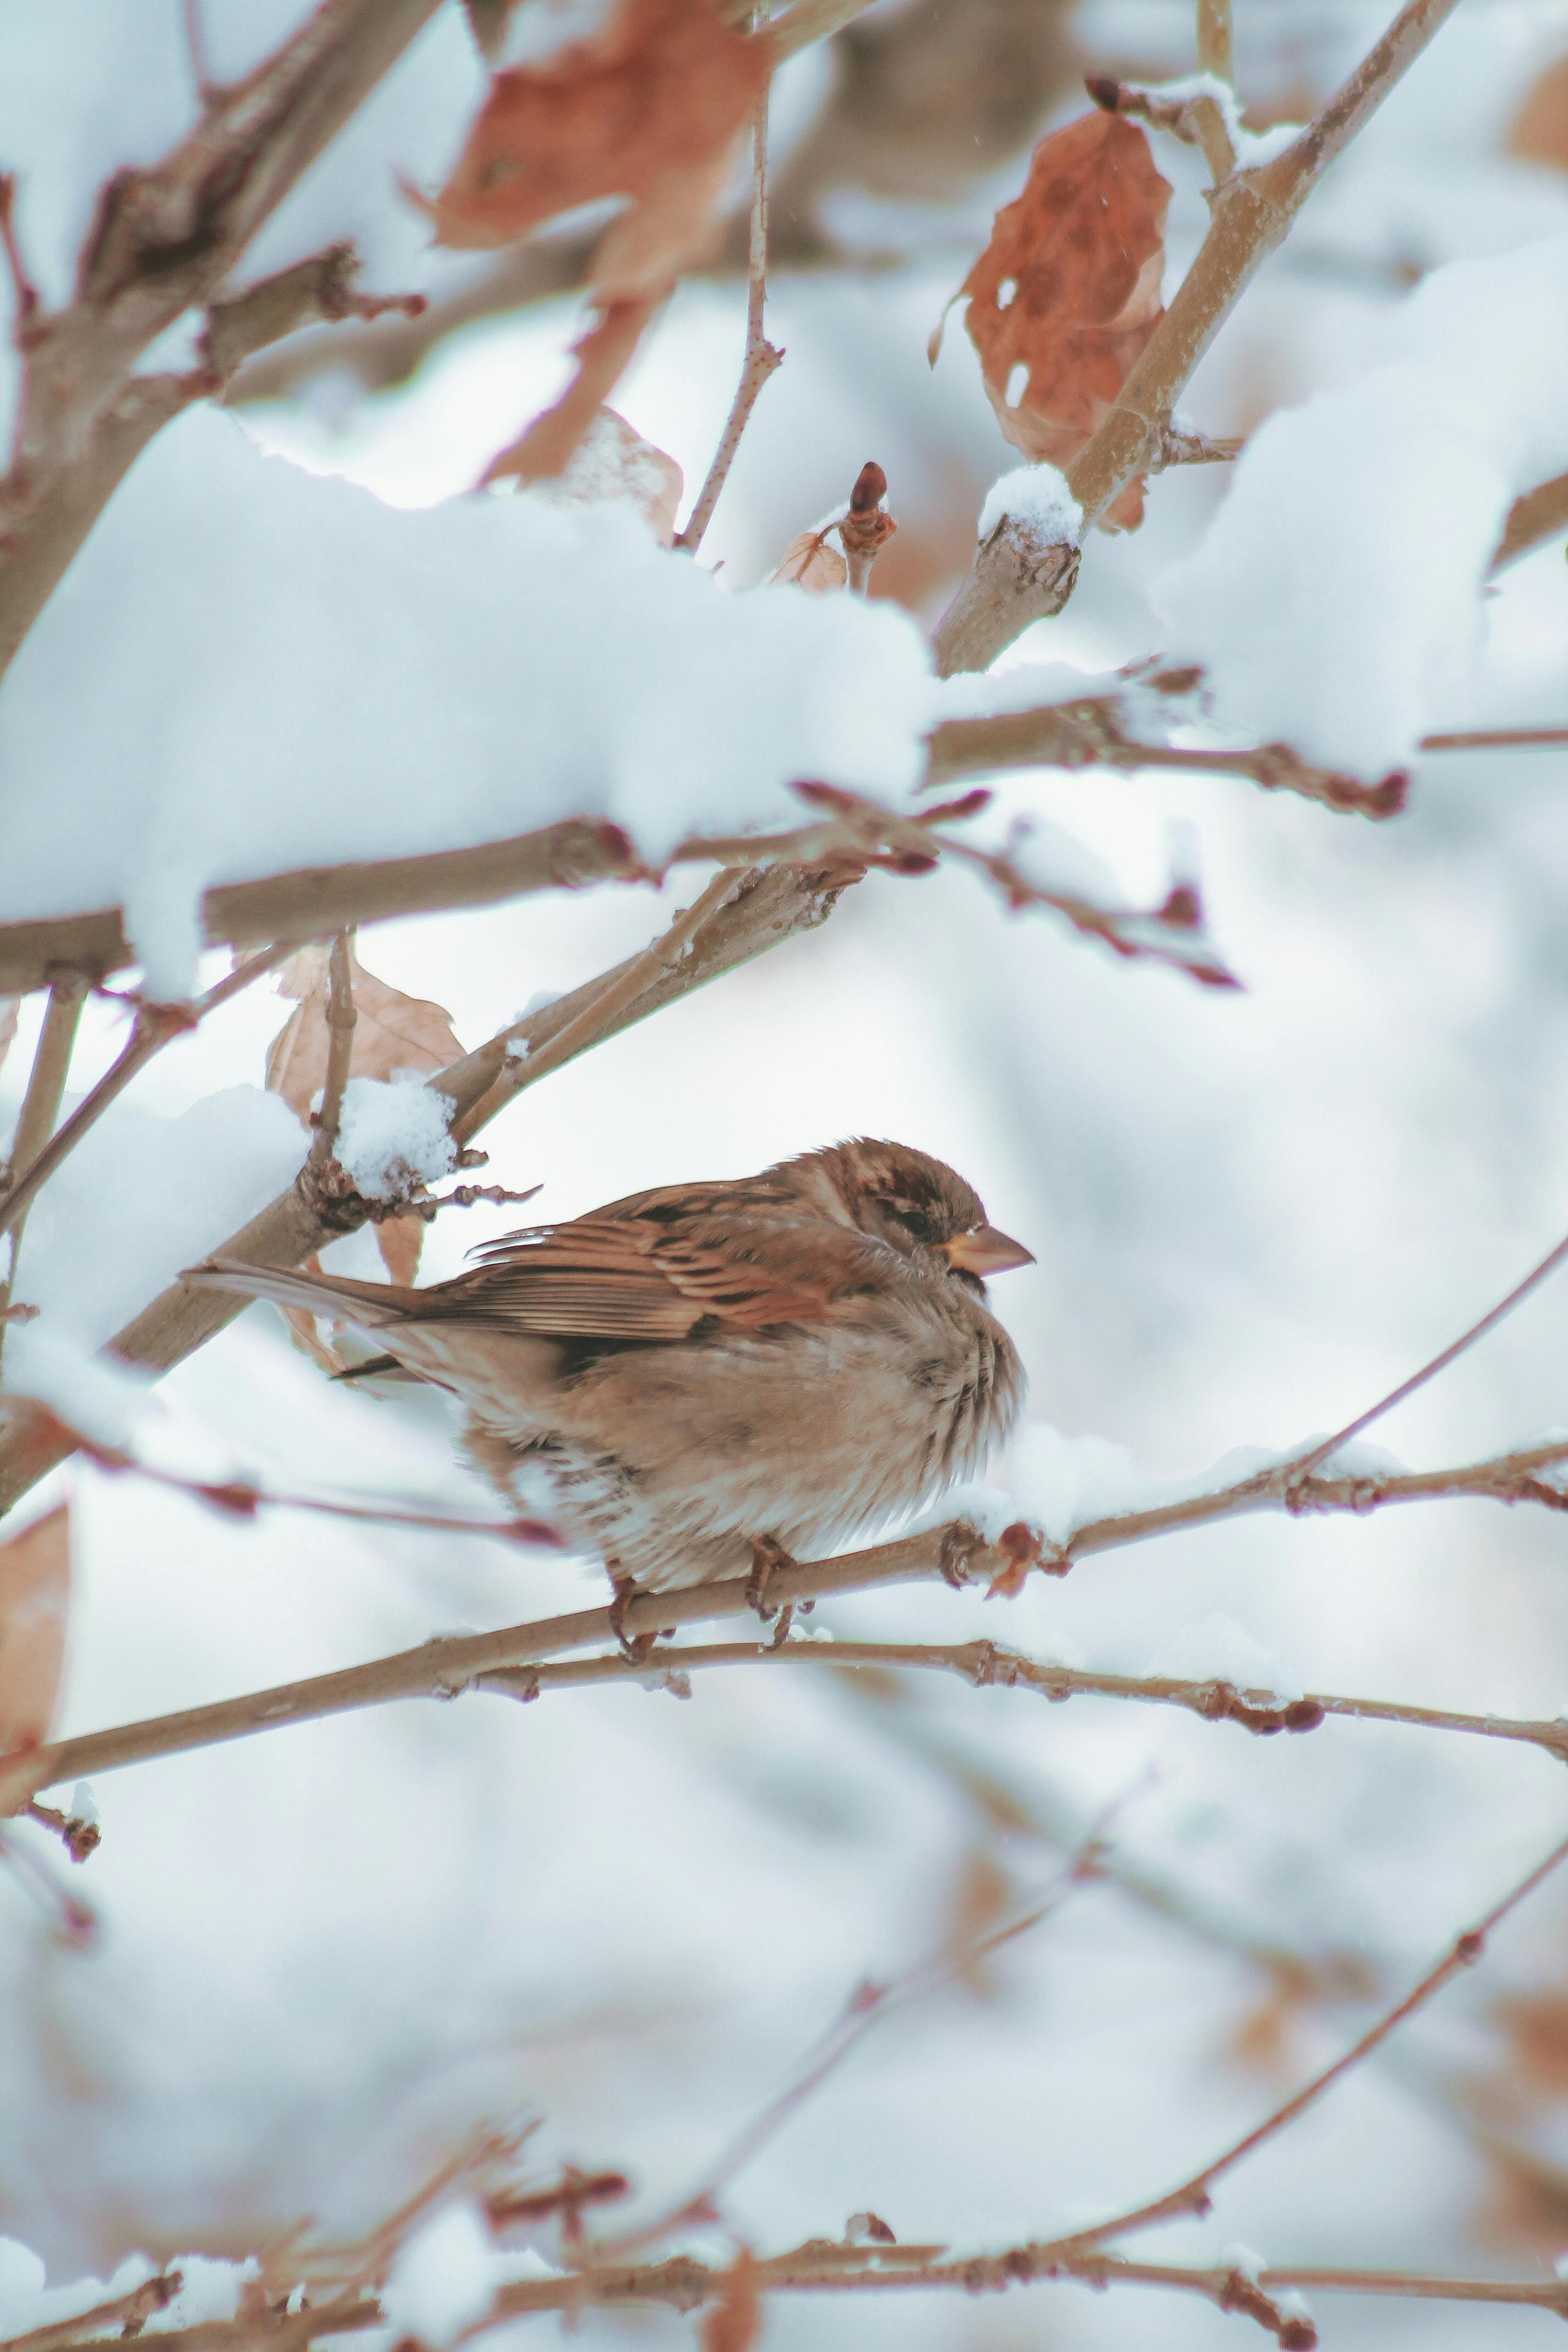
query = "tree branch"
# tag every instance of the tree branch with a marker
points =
(985, 1665)
(1013, 580)
(162, 240)
(449, 1665)
(778, 905)
(156, 1026)
(761, 356)
(41, 1103)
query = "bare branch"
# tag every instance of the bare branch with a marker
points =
(986, 1665)
(1213, 39)
(1009, 584)
(341, 1021)
(164, 240)
(957, 1553)
(761, 356)
(1438, 1363)
(1192, 2196)
(156, 1026)
(41, 1103)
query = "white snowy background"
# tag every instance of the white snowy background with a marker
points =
(324, 1954)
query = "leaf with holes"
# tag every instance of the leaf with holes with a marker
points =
(1066, 294)
(35, 1600)
(392, 1033)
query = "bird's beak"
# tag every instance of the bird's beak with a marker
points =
(984, 1251)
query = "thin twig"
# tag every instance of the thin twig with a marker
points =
(1438, 1363)
(155, 1026)
(41, 1103)
(867, 2006)
(126, 2313)
(1213, 39)
(986, 1664)
(761, 356)
(449, 1665)
(1191, 2196)
(1496, 738)
(524, 1064)
(341, 1018)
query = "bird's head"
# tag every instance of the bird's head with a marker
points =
(916, 1204)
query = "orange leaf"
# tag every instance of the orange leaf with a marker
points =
(35, 1595)
(1539, 133)
(1066, 294)
(399, 1240)
(647, 111)
(613, 463)
(735, 2322)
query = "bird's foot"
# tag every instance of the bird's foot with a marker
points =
(767, 1557)
(637, 1648)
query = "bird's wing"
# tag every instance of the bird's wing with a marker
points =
(653, 1277)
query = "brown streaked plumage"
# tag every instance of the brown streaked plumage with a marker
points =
(706, 1373)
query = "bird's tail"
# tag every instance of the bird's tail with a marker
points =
(374, 1306)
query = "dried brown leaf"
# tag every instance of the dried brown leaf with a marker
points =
(35, 1600)
(392, 1031)
(1539, 132)
(735, 2322)
(810, 563)
(981, 1898)
(612, 461)
(1066, 294)
(9, 1006)
(648, 111)
(400, 1240)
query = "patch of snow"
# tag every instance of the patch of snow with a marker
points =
(1336, 601)
(1028, 686)
(1217, 1648)
(93, 1394)
(394, 1135)
(1037, 500)
(209, 2289)
(388, 683)
(442, 2278)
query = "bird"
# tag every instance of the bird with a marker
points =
(717, 1378)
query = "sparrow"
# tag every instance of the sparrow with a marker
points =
(715, 1376)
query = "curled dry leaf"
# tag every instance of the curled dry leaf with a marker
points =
(810, 563)
(613, 463)
(735, 2321)
(35, 1599)
(1066, 294)
(392, 1033)
(649, 111)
